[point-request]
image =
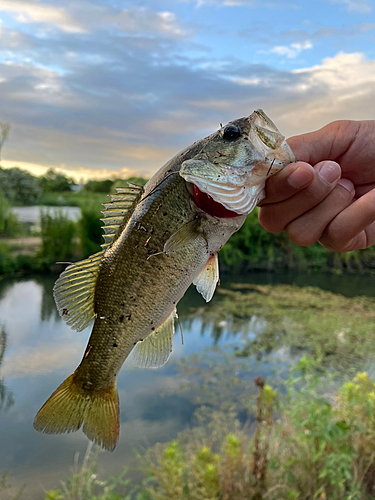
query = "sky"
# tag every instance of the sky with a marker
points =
(111, 88)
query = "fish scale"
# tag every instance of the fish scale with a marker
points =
(157, 242)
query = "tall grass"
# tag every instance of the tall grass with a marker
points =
(90, 228)
(9, 226)
(320, 446)
(57, 234)
(84, 483)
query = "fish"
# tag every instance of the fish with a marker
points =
(158, 240)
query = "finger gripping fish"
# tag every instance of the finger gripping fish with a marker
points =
(158, 240)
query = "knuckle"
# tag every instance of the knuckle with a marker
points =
(301, 235)
(333, 239)
(269, 220)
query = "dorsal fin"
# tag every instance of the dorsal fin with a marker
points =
(118, 211)
(155, 350)
(207, 279)
(75, 289)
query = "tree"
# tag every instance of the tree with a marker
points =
(55, 182)
(19, 186)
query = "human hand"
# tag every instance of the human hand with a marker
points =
(316, 200)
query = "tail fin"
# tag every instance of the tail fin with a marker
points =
(70, 406)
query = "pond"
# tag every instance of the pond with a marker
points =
(40, 351)
(31, 215)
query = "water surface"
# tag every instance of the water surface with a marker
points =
(41, 351)
(31, 215)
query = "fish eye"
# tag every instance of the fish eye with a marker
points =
(231, 133)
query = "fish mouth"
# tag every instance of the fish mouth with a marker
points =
(237, 200)
(239, 187)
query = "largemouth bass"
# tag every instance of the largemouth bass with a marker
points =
(158, 240)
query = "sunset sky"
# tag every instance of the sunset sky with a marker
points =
(100, 88)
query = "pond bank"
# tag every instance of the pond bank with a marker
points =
(205, 396)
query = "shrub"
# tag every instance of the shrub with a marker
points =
(57, 238)
(90, 228)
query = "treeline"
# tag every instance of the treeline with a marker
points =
(21, 188)
(254, 248)
(64, 240)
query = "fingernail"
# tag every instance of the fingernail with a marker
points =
(300, 178)
(347, 184)
(329, 172)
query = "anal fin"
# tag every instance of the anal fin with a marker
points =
(155, 350)
(207, 279)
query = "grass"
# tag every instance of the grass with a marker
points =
(317, 445)
(336, 330)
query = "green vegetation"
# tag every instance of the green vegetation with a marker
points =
(304, 444)
(250, 248)
(90, 228)
(253, 248)
(19, 187)
(306, 432)
(6, 397)
(54, 189)
(8, 220)
(84, 483)
(338, 331)
(57, 239)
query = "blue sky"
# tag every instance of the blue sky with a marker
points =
(98, 88)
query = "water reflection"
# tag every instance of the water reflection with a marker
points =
(6, 397)
(48, 307)
(41, 351)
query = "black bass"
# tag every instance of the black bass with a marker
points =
(158, 240)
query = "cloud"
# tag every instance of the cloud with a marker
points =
(83, 17)
(41, 360)
(267, 35)
(359, 6)
(245, 3)
(26, 11)
(292, 50)
(323, 32)
(342, 72)
(127, 100)
(102, 16)
(341, 87)
(148, 112)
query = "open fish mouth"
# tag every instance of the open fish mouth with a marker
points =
(236, 179)
(238, 199)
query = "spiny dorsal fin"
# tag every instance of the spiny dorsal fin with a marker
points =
(118, 211)
(207, 279)
(74, 292)
(155, 350)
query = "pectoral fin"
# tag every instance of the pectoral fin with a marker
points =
(156, 349)
(207, 279)
(185, 235)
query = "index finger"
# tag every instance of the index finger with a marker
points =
(288, 182)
